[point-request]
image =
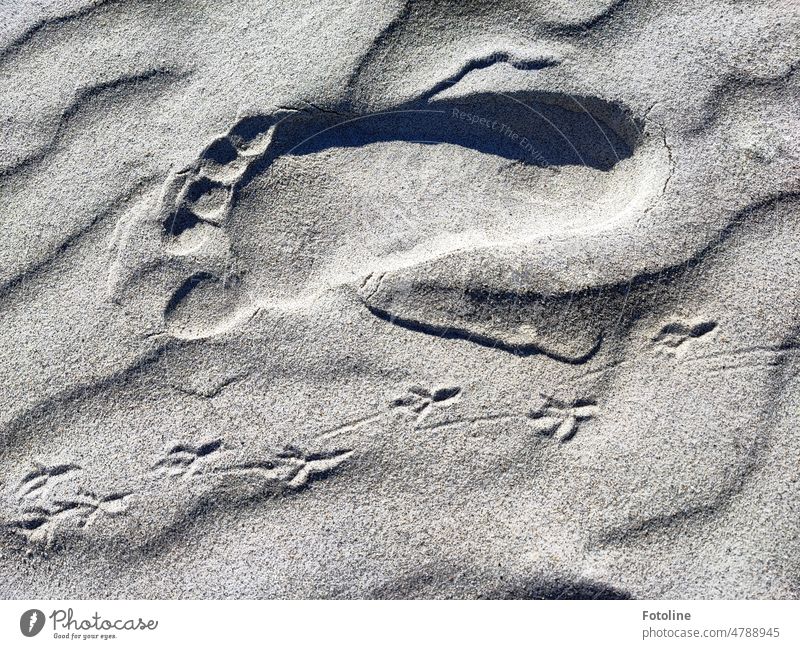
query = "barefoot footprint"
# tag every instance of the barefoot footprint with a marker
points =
(289, 203)
(175, 243)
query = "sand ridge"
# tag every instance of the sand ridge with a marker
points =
(403, 299)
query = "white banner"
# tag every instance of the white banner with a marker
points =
(375, 624)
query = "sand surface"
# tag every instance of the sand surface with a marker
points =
(396, 299)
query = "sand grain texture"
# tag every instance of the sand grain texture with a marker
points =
(399, 299)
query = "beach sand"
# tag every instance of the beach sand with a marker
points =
(327, 299)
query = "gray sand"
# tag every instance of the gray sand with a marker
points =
(307, 299)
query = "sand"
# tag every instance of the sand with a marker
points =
(399, 299)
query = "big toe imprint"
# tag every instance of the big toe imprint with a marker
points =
(174, 267)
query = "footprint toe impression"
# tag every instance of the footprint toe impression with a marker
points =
(203, 306)
(180, 252)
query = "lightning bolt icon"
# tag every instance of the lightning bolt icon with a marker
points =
(32, 621)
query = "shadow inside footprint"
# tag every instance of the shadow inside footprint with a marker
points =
(532, 128)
